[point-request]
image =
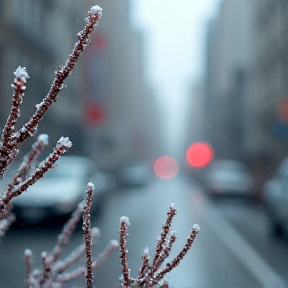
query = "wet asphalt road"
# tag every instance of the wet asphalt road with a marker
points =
(233, 249)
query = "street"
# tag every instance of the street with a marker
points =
(233, 249)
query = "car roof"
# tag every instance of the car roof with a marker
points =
(77, 162)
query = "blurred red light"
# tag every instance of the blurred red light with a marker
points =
(166, 167)
(199, 154)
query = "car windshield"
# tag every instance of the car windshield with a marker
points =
(151, 104)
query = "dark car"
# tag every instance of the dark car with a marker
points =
(275, 197)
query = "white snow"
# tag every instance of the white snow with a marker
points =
(146, 251)
(39, 105)
(95, 232)
(64, 141)
(96, 10)
(125, 220)
(114, 243)
(28, 252)
(173, 233)
(21, 72)
(44, 254)
(172, 206)
(43, 138)
(196, 227)
(90, 185)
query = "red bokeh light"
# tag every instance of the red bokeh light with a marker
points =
(166, 167)
(199, 154)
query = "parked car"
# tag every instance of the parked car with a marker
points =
(275, 197)
(228, 177)
(136, 173)
(58, 193)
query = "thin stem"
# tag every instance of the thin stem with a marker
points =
(94, 16)
(87, 234)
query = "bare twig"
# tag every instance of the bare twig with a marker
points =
(92, 20)
(8, 143)
(61, 147)
(66, 233)
(124, 223)
(61, 266)
(149, 275)
(21, 174)
(10, 139)
(87, 234)
(176, 261)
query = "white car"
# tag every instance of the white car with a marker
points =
(228, 177)
(60, 190)
(275, 197)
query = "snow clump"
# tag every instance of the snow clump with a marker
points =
(21, 72)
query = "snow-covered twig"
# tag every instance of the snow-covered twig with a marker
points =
(61, 147)
(150, 274)
(10, 138)
(8, 144)
(87, 234)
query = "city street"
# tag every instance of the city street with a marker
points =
(233, 249)
(170, 103)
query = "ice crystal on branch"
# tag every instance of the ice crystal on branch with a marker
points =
(65, 142)
(95, 10)
(150, 273)
(21, 73)
(43, 138)
(54, 272)
(87, 234)
(10, 138)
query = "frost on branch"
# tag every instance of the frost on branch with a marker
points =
(87, 234)
(53, 272)
(21, 73)
(150, 273)
(65, 142)
(12, 138)
(94, 10)
(19, 185)
(43, 138)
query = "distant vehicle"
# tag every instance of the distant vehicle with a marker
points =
(134, 174)
(228, 177)
(58, 193)
(275, 197)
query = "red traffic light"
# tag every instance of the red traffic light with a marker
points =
(199, 154)
(166, 167)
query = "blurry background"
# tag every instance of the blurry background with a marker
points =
(158, 77)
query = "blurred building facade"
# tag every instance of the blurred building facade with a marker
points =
(270, 78)
(244, 105)
(105, 107)
(125, 123)
(248, 52)
(39, 36)
(226, 88)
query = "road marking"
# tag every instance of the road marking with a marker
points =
(239, 247)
